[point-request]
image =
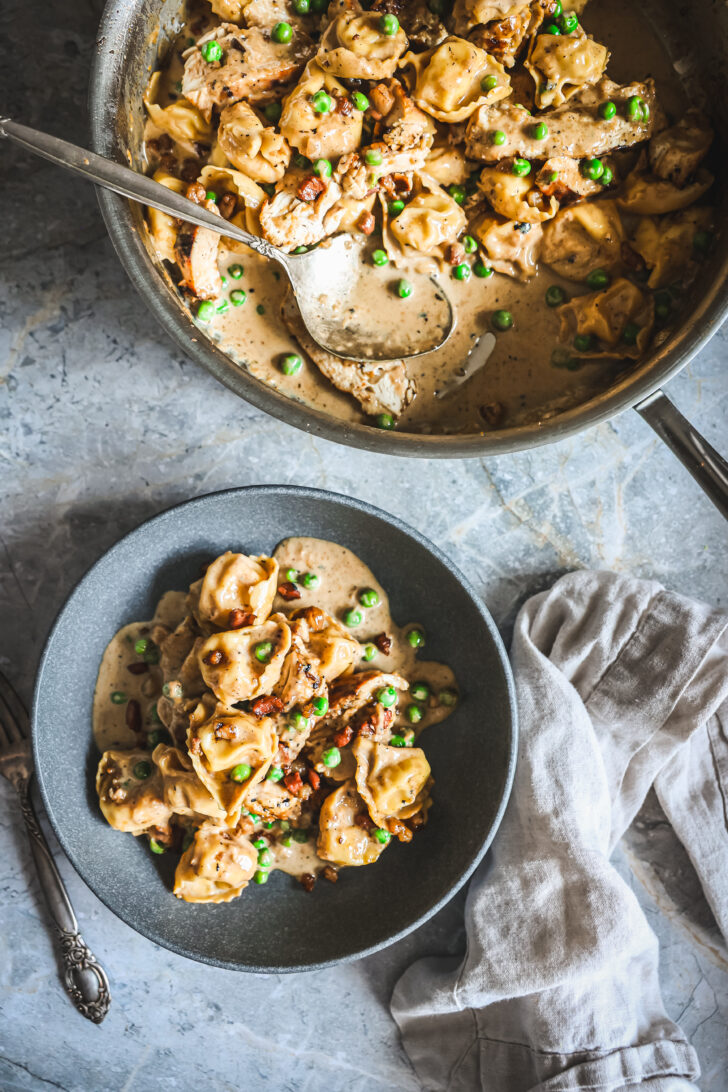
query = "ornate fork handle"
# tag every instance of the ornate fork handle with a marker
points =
(83, 976)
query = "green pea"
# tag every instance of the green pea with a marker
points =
(497, 137)
(373, 157)
(387, 696)
(469, 244)
(275, 773)
(260, 843)
(414, 714)
(382, 835)
(631, 333)
(480, 269)
(607, 176)
(118, 697)
(404, 289)
(322, 168)
(287, 841)
(322, 103)
(310, 580)
(262, 651)
(461, 272)
(155, 846)
(598, 278)
(447, 696)
(154, 714)
(361, 102)
(420, 691)
(260, 876)
(384, 420)
(300, 835)
(502, 320)
(301, 161)
(205, 310)
(319, 6)
(260, 309)
(395, 207)
(282, 32)
(607, 110)
(353, 617)
(702, 241)
(265, 858)
(142, 770)
(488, 83)
(557, 9)
(291, 364)
(332, 757)
(291, 575)
(568, 22)
(211, 52)
(583, 343)
(236, 271)
(268, 187)
(521, 167)
(662, 310)
(238, 296)
(211, 195)
(368, 597)
(555, 295)
(457, 193)
(540, 131)
(551, 28)
(416, 638)
(379, 257)
(321, 706)
(389, 25)
(298, 722)
(141, 645)
(254, 817)
(301, 7)
(398, 741)
(222, 307)
(159, 735)
(241, 772)
(592, 168)
(637, 109)
(369, 652)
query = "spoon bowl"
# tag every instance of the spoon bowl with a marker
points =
(350, 307)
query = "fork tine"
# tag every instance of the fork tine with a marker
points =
(16, 724)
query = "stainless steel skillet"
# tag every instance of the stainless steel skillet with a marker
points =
(696, 36)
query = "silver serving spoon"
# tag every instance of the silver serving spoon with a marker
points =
(349, 306)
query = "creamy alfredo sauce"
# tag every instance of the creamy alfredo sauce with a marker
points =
(342, 576)
(518, 375)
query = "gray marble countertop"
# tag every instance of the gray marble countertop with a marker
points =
(104, 423)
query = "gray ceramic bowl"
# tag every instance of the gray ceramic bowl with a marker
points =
(279, 927)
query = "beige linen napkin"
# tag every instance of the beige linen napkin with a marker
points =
(621, 685)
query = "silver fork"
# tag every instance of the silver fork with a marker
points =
(83, 976)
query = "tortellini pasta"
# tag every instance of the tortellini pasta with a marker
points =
(649, 196)
(665, 243)
(430, 221)
(330, 641)
(516, 198)
(582, 238)
(448, 81)
(447, 164)
(232, 743)
(184, 792)
(259, 152)
(510, 247)
(341, 840)
(355, 47)
(235, 583)
(163, 226)
(392, 781)
(216, 867)
(181, 120)
(561, 64)
(243, 663)
(130, 791)
(471, 13)
(606, 316)
(319, 134)
(226, 180)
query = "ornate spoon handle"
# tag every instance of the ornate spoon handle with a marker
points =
(83, 976)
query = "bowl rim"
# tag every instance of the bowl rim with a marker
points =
(314, 495)
(122, 223)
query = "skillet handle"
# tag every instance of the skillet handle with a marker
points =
(709, 469)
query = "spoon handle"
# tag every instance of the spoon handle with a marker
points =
(113, 176)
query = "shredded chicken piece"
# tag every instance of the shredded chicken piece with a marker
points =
(288, 221)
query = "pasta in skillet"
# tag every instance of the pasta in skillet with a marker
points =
(295, 751)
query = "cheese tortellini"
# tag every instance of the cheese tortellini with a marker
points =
(258, 151)
(582, 238)
(620, 317)
(231, 752)
(516, 198)
(452, 80)
(430, 222)
(216, 867)
(561, 64)
(181, 120)
(130, 790)
(235, 583)
(243, 663)
(355, 47)
(319, 134)
(341, 839)
(392, 781)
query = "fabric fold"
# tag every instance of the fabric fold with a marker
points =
(620, 686)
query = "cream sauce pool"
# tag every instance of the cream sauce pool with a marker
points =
(518, 374)
(342, 576)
